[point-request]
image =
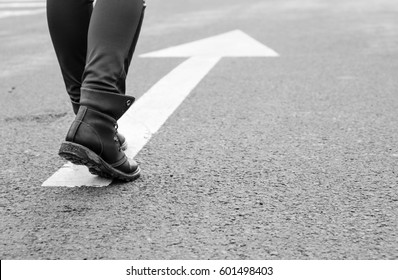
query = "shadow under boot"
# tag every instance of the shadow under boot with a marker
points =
(92, 138)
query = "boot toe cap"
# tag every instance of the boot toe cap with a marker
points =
(128, 166)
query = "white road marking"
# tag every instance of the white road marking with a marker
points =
(155, 106)
(70, 175)
(21, 8)
(5, 14)
(150, 112)
(23, 5)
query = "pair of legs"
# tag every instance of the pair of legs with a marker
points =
(94, 47)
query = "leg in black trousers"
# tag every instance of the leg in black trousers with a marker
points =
(68, 23)
(94, 47)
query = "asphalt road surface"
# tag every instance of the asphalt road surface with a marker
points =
(289, 157)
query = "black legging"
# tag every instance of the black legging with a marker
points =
(94, 46)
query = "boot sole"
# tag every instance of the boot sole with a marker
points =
(80, 155)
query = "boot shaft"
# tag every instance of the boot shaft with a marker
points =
(97, 132)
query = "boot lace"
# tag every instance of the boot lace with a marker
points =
(117, 138)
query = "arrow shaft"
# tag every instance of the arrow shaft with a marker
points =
(155, 106)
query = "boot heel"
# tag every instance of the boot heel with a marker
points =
(78, 154)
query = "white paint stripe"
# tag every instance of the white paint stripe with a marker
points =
(71, 175)
(153, 109)
(23, 5)
(6, 14)
(144, 118)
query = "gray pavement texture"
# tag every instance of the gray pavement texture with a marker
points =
(292, 157)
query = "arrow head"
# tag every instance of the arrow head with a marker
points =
(232, 44)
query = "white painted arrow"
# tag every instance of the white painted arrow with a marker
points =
(150, 111)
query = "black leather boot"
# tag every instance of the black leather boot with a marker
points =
(122, 139)
(92, 138)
